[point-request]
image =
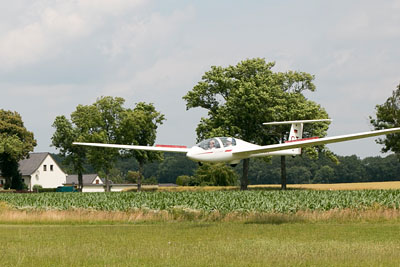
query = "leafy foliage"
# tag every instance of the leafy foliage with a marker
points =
(65, 134)
(139, 127)
(15, 144)
(216, 174)
(388, 116)
(107, 121)
(240, 98)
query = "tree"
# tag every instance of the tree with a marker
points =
(324, 175)
(65, 134)
(240, 98)
(299, 175)
(132, 176)
(139, 127)
(107, 121)
(15, 144)
(350, 169)
(388, 116)
(217, 174)
(174, 165)
(99, 123)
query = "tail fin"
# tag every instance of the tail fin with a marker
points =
(296, 133)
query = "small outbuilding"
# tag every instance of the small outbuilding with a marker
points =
(91, 182)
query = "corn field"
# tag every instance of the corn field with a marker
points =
(222, 201)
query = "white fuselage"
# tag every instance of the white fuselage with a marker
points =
(223, 152)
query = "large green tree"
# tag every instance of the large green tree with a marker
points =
(107, 121)
(388, 116)
(98, 123)
(240, 98)
(15, 144)
(65, 134)
(139, 127)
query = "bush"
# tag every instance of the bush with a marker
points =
(132, 176)
(217, 174)
(39, 189)
(150, 181)
(182, 180)
(36, 188)
(45, 190)
(186, 180)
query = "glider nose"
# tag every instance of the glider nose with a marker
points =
(193, 153)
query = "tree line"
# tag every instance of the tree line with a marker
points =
(238, 99)
(176, 168)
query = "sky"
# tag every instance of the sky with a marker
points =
(57, 54)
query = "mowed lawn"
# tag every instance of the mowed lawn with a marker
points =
(202, 244)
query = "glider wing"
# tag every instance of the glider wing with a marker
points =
(313, 142)
(163, 148)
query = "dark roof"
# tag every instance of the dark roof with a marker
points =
(87, 178)
(32, 163)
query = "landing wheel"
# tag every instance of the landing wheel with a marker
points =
(200, 163)
(233, 165)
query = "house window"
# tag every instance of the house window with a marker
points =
(97, 181)
(44, 168)
(51, 168)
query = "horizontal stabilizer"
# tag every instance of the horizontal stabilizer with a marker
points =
(294, 122)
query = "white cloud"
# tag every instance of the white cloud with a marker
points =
(369, 21)
(157, 32)
(46, 28)
(22, 46)
(105, 7)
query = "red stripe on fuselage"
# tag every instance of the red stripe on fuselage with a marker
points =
(228, 150)
(206, 153)
(172, 146)
(304, 139)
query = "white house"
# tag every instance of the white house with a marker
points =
(40, 169)
(93, 183)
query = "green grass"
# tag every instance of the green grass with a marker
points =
(290, 201)
(252, 228)
(202, 244)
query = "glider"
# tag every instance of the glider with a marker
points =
(232, 150)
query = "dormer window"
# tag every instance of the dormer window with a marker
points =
(44, 168)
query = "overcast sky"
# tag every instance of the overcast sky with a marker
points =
(56, 54)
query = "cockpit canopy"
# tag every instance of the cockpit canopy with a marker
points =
(217, 142)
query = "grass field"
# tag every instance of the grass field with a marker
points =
(260, 227)
(202, 244)
(207, 202)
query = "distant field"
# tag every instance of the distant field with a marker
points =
(342, 186)
(202, 244)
